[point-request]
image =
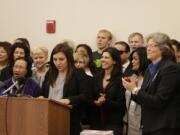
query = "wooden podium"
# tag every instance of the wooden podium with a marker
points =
(32, 116)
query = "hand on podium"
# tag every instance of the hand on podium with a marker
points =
(64, 101)
(41, 97)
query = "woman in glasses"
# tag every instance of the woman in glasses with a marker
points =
(159, 94)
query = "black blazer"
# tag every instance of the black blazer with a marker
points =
(128, 71)
(6, 73)
(159, 98)
(76, 90)
(114, 106)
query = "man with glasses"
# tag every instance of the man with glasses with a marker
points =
(124, 51)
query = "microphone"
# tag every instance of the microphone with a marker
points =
(19, 81)
(20, 92)
(10, 88)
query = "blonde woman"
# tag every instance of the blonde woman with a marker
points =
(81, 61)
(40, 56)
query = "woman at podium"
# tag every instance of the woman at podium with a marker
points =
(66, 84)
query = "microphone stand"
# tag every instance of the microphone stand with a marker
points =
(20, 92)
(10, 88)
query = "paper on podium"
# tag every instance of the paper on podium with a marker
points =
(96, 132)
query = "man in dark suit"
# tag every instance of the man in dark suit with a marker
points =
(159, 95)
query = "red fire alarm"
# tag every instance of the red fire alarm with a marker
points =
(50, 26)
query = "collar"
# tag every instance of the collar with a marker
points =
(124, 66)
(153, 67)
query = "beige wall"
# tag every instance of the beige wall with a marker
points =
(79, 20)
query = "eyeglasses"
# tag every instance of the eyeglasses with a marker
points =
(152, 45)
(121, 52)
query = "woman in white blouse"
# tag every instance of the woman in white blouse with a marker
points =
(40, 56)
(139, 61)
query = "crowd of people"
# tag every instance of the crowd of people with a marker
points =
(130, 88)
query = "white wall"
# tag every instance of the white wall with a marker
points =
(79, 20)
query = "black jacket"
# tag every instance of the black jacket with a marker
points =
(6, 73)
(114, 106)
(128, 71)
(159, 98)
(76, 90)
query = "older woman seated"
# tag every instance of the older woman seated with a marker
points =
(23, 84)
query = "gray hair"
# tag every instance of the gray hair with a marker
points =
(164, 43)
(159, 38)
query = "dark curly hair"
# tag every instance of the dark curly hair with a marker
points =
(144, 62)
(13, 48)
(114, 53)
(7, 46)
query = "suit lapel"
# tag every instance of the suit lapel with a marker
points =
(150, 81)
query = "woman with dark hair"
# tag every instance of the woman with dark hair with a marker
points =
(24, 41)
(66, 84)
(4, 60)
(109, 99)
(176, 47)
(132, 119)
(18, 50)
(84, 48)
(159, 94)
(140, 55)
(22, 79)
